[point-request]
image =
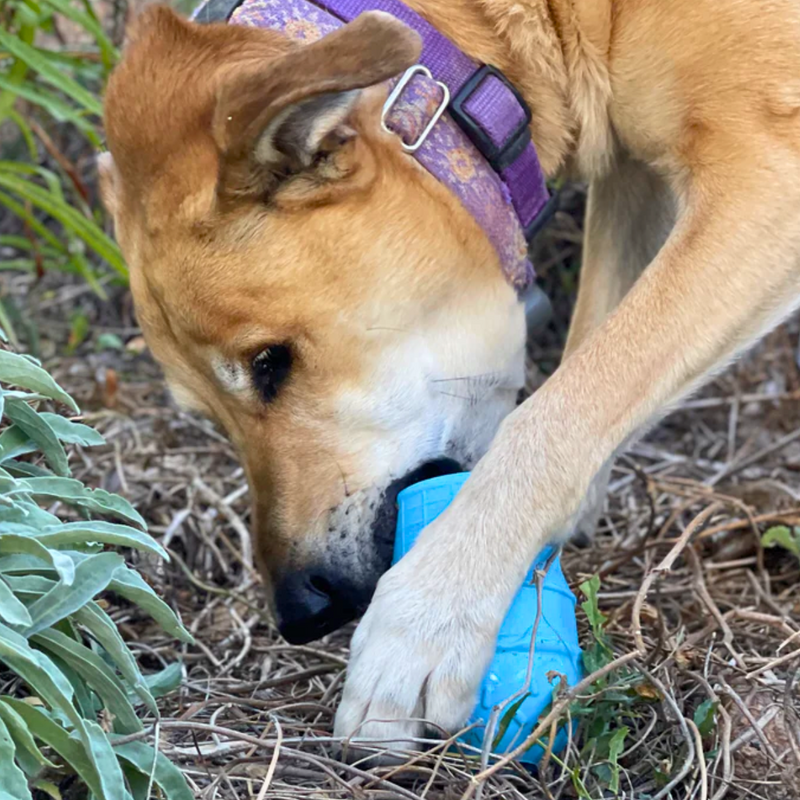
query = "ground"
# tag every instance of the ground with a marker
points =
(711, 711)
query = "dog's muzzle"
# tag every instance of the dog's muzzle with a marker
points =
(318, 600)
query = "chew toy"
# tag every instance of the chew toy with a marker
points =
(556, 650)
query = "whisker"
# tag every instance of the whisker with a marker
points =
(394, 330)
(485, 376)
(344, 479)
(468, 398)
(333, 458)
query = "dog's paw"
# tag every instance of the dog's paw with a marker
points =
(420, 653)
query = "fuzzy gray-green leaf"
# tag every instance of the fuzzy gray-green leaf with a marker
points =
(38, 671)
(71, 749)
(31, 423)
(72, 432)
(167, 775)
(165, 681)
(15, 784)
(12, 610)
(19, 371)
(15, 442)
(132, 586)
(14, 544)
(92, 576)
(22, 736)
(106, 532)
(74, 492)
(96, 673)
(104, 631)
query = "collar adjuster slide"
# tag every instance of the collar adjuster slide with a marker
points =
(397, 91)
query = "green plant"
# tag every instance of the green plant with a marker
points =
(783, 536)
(71, 685)
(49, 92)
(614, 699)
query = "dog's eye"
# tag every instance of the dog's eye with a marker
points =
(270, 369)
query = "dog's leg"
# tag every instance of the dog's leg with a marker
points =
(727, 273)
(629, 215)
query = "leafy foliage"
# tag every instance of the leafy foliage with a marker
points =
(600, 652)
(705, 716)
(615, 698)
(47, 91)
(74, 685)
(783, 536)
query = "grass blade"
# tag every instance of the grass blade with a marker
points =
(55, 107)
(39, 61)
(81, 226)
(90, 25)
(35, 225)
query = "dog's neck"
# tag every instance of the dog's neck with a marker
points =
(555, 52)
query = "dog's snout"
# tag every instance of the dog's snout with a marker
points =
(313, 602)
(336, 589)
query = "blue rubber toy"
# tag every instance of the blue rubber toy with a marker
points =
(557, 648)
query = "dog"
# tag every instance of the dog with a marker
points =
(335, 308)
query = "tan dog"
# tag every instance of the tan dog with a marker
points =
(309, 285)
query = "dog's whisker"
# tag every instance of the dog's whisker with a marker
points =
(486, 376)
(393, 330)
(467, 398)
(344, 478)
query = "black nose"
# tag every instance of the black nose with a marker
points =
(311, 603)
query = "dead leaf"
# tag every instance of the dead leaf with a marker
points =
(647, 691)
(136, 345)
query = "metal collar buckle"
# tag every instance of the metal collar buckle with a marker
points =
(397, 91)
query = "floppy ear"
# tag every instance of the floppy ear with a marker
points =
(280, 115)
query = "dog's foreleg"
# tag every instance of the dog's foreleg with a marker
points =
(727, 273)
(629, 215)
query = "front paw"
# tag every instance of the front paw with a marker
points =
(418, 655)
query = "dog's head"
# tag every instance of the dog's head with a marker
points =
(307, 284)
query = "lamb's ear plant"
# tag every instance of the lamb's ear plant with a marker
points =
(71, 692)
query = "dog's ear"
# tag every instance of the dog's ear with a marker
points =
(280, 116)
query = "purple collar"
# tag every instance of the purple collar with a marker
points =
(465, 123)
